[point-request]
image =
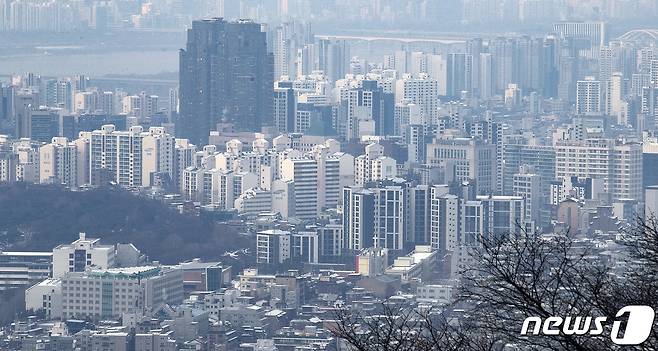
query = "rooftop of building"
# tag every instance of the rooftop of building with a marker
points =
(83, 240)
(409, 261)
(125, 272)
(196, 264)
(50, 282)
(26, 253)
(274, 232)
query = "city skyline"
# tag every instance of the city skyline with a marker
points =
(266, 175)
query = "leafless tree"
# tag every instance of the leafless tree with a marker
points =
(402, 327)
(516, 277)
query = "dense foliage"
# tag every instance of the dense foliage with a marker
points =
(38, 217)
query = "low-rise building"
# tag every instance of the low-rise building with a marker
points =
(111, 292)
(24, 268)
(46, 296)
(418, 264)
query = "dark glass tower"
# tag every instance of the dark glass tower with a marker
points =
(226, 75)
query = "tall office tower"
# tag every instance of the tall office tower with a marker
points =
(460, 74)
(419, 214)
(618, 164)
(173, 103)
(283, 47)
(591, 34)
(305, 60)
(486, 76)
(23, 102)
(106, 103)
(625, 57)
(466, 159)
(333, 58)
(548, 67)
(503, 52)
(475, 49)
(6, 99)
(43, 124)
(567, 72)
(589, 96)
(437, 70)
(4, 19)
(225, 76)
(605, 63)
(529, 52)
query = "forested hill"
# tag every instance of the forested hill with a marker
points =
(39, 217)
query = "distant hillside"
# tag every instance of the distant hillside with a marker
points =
(39, 217)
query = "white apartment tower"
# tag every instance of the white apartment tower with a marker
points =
(588, 96)
(59, 163)
(130, 158)
(373, 166)
(618, 163)
(421, 90)
(304, 173)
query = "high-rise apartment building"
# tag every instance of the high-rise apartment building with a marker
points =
(358, 221)
(589, 96)
(373, 165)
(466, 159)
(60, 163)
(130, 158)
(370, 111)
(619, 164)
(421, 90)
